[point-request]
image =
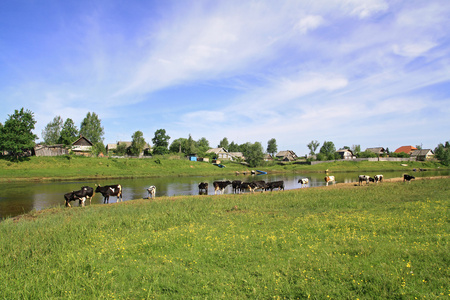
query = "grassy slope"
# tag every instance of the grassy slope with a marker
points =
(386, 241)
(70, 168)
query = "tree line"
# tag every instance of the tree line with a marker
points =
(17, 137)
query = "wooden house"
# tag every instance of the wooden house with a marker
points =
(287, 155)
(221, 153)
(377, 150)
(82, 146)
(405, 149)
(424, 154)
(345, 153)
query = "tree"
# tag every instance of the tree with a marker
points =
(356, 149)
(313, 145)
(137, 143)
(328, 150)
(224, 143)
(272, 146)
(69, 133)
(52, 131)
(178, 146)
(233, 147)
(442, 152)
(190, 146)
(254, 154)
(202, 145)
(161, 142)
(91, 128)
(16, 134)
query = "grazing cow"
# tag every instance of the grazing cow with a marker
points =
(303, 181)
(220, 186)
(110, 190)
(275, 185)
(378, 178)
(151, 191)
(73, 196)
(236, 185)
(259, 184)
(408, 178)
(247, 186)
(203, 188)
(365, 178)
(329, 179)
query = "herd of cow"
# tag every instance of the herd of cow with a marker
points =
(238, 186)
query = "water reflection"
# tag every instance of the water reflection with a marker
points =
(19, 198)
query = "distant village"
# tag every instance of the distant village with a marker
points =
(82, 146)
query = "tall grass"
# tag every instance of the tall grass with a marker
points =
(386, 241)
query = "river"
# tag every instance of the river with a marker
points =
(23, 197)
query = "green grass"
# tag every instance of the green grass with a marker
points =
(80, 168)
(386, 241)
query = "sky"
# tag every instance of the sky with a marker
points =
(373, 73)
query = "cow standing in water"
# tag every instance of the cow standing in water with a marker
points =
(110, 190)
(203, 188)
(220, 186)
(151, 191)
(329, 179)
(303, 181)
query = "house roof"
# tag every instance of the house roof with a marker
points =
(217, 150)
(376, 150)
(286, 153)
(405, 149)
(82, 141)
(423, 152)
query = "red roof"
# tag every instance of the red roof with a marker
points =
(406, 149)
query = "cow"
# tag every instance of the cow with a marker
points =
(73, 196)
(89, 192)
(220, 186)
(236, 185)
(247, 186)
(259, 184)
(203, 188)
(329, 179)
(303, 181)
(110, 190)
(275, 185)
(408, 178)
(378, 178)
(365, 178)
(151, 191)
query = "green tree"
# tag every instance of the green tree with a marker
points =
(202, 145)
(328, 150)
(69, 133)
(233, 147)
(254, 154)
(137, 143)
(272, 146)
(121, 149)
(161, 142)
(98, 148)
(442, 152)
(224, 143)
(190, 146)
(178, 146)
(356, 149)
(91, 128)
(16, 134)
(312, 146)
(51, 133)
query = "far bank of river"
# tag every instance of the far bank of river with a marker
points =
(22, 197)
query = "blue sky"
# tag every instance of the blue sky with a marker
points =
(370, 73)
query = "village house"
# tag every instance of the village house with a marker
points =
(82, 146)
(377, 150)
(287, 155)
(423, 154)
(345, 153)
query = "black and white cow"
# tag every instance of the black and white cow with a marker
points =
(275, 185)
(378, 178)
(303, 181)
(220, 186)
(89, 192)
(73, 196)
(408, 178)
(365, 178)
(151, 191)
(236, 185)
(110, 190)
(259, 184)
(203, 188)
(329, 179)
(247, 186)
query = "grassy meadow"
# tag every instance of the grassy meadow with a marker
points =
(80, 168)
(385, 241)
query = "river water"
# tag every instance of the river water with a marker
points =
(23, 197)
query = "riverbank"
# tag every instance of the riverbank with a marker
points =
(88, 168)
(386, 241)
